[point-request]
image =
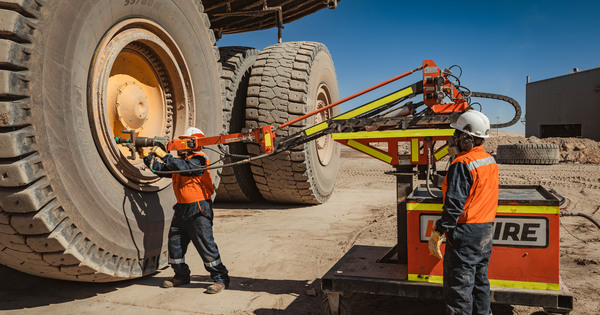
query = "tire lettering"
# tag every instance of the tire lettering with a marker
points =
(142, 2)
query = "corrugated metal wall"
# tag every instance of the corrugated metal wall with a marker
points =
(563, 104)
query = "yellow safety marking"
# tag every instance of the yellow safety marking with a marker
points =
(370, 151)
(267, 139)
(441, 153)
(528, 209)
(425, 278)
(316, 128)
(368, 107)
(414, 149)
(413, 206)
(493, 283)
(393, 134)
(524, 285)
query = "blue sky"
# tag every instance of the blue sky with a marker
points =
(497, 43)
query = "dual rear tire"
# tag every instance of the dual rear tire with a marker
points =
(289, 80)
(283, 82)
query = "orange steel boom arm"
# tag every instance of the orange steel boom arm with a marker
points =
(263, 136)
(436, 86)
(350, 97)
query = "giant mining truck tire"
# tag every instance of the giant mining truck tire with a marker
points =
(73, 75)
(237, 183)
(289, 80)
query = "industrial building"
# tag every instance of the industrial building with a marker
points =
(564, 106)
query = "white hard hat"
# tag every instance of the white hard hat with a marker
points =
(192, 131)
(474, 123)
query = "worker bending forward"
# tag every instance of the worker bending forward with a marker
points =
(470, 192)
(193, 216)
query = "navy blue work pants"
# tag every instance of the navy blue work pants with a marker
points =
(466, 259)
(193, 222)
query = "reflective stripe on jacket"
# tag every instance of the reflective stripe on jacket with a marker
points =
(470, 190)
(193, 188)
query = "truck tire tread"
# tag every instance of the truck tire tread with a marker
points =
(277, 93)
(237, 183)
(528, 153)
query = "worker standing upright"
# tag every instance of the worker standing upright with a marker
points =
(470, 192)
(193, 218)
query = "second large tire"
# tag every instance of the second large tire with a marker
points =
(287, 81)
(528, 153)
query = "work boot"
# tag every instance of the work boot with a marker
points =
(174, 283)
(215, 288)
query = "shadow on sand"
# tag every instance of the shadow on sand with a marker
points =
(19, 291)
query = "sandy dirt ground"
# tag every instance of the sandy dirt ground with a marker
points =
(277, 254)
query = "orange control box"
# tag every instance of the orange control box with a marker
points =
(526, 252)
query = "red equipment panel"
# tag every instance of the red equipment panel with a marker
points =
(526, 251)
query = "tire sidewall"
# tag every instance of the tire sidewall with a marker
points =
(322, 72)
(121, 220)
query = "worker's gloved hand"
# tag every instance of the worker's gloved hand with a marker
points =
(435, 241)
(143, 152)
(158, 152)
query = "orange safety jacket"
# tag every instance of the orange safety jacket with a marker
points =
(481, 203)
(193, 188)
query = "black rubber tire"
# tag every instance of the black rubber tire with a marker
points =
(62, 213)
(528, 153)
(344, 307)
(283, 86)
(237, 183)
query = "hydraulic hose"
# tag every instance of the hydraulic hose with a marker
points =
(215, 166)
(573, 214)
(499, 97)
(427, 179)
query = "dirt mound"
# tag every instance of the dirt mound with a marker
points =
(572, 150)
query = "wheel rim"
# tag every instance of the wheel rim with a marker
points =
(325, 143)
(139, 82)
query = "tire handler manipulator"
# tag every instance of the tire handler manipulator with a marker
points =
(444, 99)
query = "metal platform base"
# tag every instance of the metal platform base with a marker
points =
(360, 272)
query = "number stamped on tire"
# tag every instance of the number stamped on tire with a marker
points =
(140, 2)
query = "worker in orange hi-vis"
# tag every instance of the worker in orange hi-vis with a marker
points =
(193, 217)
(470, 192)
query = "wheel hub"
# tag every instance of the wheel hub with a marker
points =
(132, 106)
(325, 143)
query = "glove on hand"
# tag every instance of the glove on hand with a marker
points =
(435, 241)
(158, 152)
(144, 152)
